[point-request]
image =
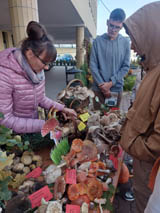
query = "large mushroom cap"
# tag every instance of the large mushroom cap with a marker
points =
(61, 95)
(89, 151)
(59, 187)
(49, 125)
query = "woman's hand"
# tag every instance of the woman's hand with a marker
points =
(70, 112)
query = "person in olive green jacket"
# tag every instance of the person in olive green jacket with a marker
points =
(141, 131)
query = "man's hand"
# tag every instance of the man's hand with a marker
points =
(105, 88)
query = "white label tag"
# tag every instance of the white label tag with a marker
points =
(51, 135)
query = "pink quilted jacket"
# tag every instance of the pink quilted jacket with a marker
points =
(20, 98)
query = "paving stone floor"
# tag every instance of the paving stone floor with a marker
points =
(123, 206)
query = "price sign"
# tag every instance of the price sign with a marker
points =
(84, 117)
(72, 208)
(35, 173)
(71, 176)
(37, 196)
(81, 126)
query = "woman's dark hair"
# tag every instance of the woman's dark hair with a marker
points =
(118, 15)
(38, 41)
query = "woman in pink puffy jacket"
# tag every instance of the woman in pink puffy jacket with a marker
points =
(22, 81)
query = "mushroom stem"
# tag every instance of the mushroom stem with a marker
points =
(100, 202)
(61, 165)
(104, 138)
(104, 171)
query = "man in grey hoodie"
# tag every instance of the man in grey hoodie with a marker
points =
(110, 59)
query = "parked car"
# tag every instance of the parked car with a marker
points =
(67, 57)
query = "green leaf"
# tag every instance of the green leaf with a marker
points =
(2, 143)
(5, 194)
(108, 195)
(10, 144)
(4, 130)
(1, 115)
(2, 138)
(61, 149)
(12, 141)
(129, 82)
(26, 143)
(25, 147)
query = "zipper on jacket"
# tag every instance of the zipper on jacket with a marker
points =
(35, 101)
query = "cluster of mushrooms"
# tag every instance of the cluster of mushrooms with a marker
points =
(89, 157)
(26, 163)
(78, 92)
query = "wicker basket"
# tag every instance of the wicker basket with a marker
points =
(74, 83)
(73, 102)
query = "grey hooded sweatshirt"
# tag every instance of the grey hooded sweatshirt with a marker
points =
(110, 61)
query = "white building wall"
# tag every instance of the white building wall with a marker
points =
(88, 12)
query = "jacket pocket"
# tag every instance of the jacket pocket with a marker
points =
(139, 123)
(133, 127)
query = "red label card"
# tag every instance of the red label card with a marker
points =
(37, 196)
(35, 173)
(114, 108)
(71, 176)
(115, 159)
(72, 209)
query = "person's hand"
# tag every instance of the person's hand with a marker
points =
(70, 112)
(105, 87)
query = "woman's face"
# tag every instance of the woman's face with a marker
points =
(37, 62)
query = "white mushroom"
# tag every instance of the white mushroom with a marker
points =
(107, 171)
(81, 96)
(26, 170)
(27, 185)
(84, 208)
(37, 158)
(61, 94)
(94, 120)
(26, 159)
(51, 174)
(112, 117)
(104, 120)
(18, 167)
(16, 160)
(69, 93)
(28, 153)
(100, 202)
(84, 166)
(109, 180)
(83, 90)
(65, 131)
(90, 93)
(54, 206)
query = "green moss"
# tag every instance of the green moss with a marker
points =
(83, 75)
(129, 82)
